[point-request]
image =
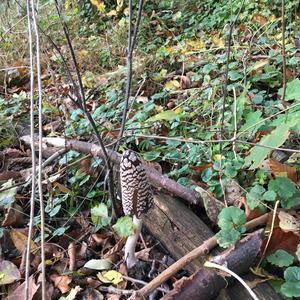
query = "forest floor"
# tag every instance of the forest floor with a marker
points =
(213, 105)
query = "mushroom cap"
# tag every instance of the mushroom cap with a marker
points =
(137, 197)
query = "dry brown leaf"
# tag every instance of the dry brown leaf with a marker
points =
(115, 249)
(61, 282)
(20, 241)
(18, 293)
(72, 256)
(62, 188)
(259, 19)
(14, 216)
(287, 222)
(113, 297)
(233, 191)
(283, 170)
(143, 254)
(185, 82)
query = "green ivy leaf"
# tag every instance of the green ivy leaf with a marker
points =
(124, 226)
(281, 258)
(227, 238)
(232, 218)
(151, 155)
(292, 90)
(168, 115)
(291, 287)
(275, 139)
(99, 264)
(234, 75)
(251, 119)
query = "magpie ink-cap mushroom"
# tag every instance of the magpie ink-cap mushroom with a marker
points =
(137, 198)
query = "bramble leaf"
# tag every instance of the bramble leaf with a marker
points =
(291, 287)
(281, 258)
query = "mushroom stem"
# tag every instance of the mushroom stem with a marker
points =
(130, 245)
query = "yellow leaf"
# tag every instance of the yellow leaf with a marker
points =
(178, 110)
(218, 157)
(163, 72)
(259, 64)
(172, 85)
(99, 5)
(113, 276)
(83, 53)
(196, 45)
(217, 41)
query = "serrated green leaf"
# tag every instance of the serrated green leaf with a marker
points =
(269, 196)
(232, 218)
(255, 196)
(167, 115)
(275, 139)
(281, 258)
(283, 187)
(227, 238)
(124, 226)
(291, 287)
(99, 264)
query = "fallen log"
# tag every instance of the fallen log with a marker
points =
(177, 228)
(155, 178)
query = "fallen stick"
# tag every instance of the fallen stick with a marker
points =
(155, 178)
(182, 262)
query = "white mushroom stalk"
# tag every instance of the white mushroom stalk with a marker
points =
(137, 198)
(130, 245)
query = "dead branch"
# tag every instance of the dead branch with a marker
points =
(155, 178)
(207, 283)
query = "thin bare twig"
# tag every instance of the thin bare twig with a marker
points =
(192, 141)
(283, 52)
(32, 198)
(40, 103)
(130, 47)
(225, 92)
(82, 105)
